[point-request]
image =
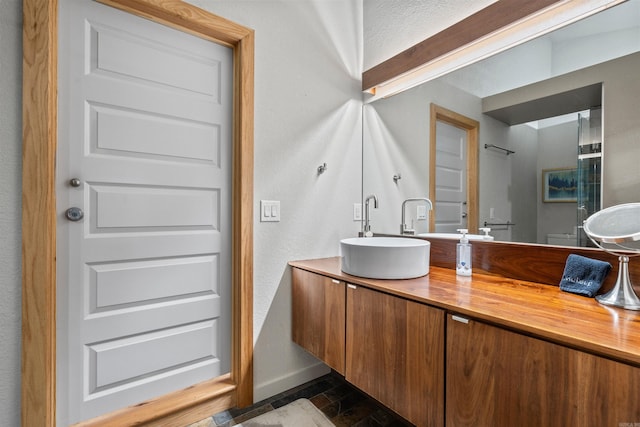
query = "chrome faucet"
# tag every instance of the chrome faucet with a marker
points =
(403, 226)
(367, 226)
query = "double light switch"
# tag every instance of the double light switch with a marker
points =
(269, 210)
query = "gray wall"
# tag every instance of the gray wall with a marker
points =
(523, 188)
(558, 150)
(10, 207)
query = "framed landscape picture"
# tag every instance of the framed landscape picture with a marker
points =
(560, 185)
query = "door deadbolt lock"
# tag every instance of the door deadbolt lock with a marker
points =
(74, 214)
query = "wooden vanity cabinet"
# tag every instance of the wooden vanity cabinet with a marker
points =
(496, 377)
(318, 310)
(395, 353)
(439, 369)
(389, 347)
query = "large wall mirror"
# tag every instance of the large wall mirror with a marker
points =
(559, 137)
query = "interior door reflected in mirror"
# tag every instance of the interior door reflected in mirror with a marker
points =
(453, 171)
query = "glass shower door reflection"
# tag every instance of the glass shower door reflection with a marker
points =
(589, 170)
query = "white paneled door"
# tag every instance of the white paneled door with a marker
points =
(451, 178)
(144, 258)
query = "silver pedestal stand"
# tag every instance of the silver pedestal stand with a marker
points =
(617, 225)
(622, 294)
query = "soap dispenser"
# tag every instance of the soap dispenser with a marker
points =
(463, 254)
(486, 231)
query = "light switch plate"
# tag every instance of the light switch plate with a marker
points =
(357, 211)
(269, 210)
(421, 213)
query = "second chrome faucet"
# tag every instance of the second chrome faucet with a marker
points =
(367, 226)
(403, 225)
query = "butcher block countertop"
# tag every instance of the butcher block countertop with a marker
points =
(535, 309)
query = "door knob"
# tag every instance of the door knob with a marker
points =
(74, 214)
(75, 182)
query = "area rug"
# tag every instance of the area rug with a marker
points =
(300, 413)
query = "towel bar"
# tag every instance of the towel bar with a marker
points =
(499, 148)
(495, 224)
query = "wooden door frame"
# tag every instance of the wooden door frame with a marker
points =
(39, 216)
(472, 128)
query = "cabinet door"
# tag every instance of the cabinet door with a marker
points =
(500, 378)
(395, 353)
(318, 316)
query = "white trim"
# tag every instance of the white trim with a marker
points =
(286, 382)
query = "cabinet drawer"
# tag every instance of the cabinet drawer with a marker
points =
(497, 377)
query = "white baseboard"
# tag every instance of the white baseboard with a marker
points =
(289, 381)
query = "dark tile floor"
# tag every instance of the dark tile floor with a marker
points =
(342, 403)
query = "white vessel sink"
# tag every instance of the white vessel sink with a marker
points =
(385, 257)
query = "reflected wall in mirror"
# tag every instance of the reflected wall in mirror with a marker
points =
(540, 100)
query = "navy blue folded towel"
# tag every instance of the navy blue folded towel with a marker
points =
(583, 276)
